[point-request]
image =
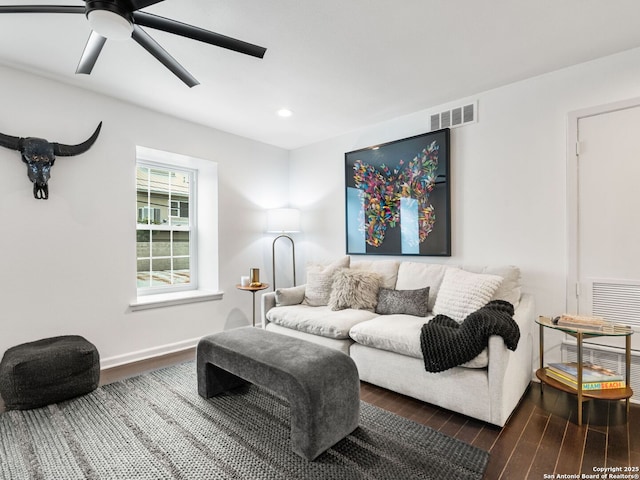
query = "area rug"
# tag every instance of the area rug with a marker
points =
(156, 426)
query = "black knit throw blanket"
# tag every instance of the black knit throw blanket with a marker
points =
(446, 343)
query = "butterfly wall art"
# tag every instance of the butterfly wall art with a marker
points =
(398, 197)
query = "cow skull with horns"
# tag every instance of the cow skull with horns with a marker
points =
(40, 155)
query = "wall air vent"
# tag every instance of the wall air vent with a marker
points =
(617, 301)
(455, 117)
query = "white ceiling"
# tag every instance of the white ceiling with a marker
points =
(338, 64)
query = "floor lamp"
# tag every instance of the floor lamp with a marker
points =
(283, 221)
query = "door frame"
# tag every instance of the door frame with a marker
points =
(572, 153)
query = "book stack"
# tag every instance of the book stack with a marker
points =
(581, 321)
(589, 323)
(594, 377)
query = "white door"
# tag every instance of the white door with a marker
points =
(607, 224)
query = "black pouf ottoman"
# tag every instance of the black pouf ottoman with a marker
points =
(48, 371)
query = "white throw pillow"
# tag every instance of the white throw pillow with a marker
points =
(509, 290)
(319, 281)
(462, 293)
(290, 296)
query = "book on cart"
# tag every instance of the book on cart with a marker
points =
(605, 385)
(591, 373)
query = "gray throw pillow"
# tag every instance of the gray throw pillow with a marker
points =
(408, 302)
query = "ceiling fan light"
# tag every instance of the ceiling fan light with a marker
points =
(110, 25)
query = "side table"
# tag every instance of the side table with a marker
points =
(580, 334)
(253, 291)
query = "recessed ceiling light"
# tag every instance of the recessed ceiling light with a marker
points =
(285, 112)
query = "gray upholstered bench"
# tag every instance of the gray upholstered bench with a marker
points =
(47, 371)
(321, 384)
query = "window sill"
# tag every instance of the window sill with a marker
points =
(177, 298)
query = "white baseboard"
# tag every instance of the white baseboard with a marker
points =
(148, 353)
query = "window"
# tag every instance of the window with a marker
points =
(176, 229)
(179, 209)
(148, 214)
(166, 228)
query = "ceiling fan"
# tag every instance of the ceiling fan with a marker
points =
(121, 19)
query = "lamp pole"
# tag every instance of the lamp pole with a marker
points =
(273, 258)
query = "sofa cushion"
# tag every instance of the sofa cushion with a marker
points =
(387, 269)
(319, 281)
(462, 293)
(510, 289)
(414, 275)
(400, 334)
(354, 289)
(319, 320)
(409, 302)
(290, 295)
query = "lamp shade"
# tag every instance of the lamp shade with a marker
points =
(281, 220)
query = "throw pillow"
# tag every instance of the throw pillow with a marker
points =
(319, 280)
(354, 289)
(289, 296)
(387, 269)
(509, 290)
(412, 275)
(408, 302)
(462, 293)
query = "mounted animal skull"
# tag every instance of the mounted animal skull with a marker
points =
(40, 155)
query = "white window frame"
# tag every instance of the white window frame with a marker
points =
(191, 228)
(204, 260)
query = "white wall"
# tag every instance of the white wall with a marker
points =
(69, 262)
(508, 176)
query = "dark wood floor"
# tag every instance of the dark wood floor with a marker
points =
(541, 437)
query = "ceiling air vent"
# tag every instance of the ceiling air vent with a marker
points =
(455, 117)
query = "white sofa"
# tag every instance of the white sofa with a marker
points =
(386, 347)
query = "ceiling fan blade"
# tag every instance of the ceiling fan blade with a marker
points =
(196, 33)
(151, 46)
(138, 4)
(41, 9)
(90, 54)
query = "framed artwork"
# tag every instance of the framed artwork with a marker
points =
(398, 199)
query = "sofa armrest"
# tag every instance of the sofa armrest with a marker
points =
(509, 371)
(268, 301)
(288, 296)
